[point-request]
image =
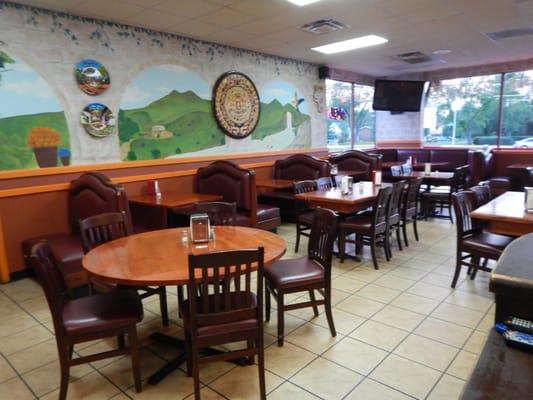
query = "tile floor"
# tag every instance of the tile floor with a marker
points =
(402, 334)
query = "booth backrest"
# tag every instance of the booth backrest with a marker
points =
(233, 183)
(421, 155)
(355, 160)
(501, 159)
(93, 193)
(301, 167)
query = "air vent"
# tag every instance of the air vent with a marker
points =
(414, 57)
(323, 26)
(510, 33)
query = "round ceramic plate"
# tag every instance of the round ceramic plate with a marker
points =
(236, 104)
(98, 120)
(92, 77)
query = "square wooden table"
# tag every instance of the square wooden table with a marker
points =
(154, 212)
(506, 214)
(363, 195)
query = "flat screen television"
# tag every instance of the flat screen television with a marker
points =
(397, 96)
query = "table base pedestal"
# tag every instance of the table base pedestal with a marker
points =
(174, 364)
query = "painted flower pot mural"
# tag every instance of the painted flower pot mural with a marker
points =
(44, 142)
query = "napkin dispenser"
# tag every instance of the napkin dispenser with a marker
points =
(199, 228)
(346, 184)
(528, 202)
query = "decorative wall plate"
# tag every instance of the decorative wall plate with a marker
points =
(236, 103)
(92, 77)
(98, 120)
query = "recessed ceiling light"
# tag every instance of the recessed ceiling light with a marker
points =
(302, 2)
(350, 44)
(443, 51)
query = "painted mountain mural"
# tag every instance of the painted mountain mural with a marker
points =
(183, 122)
(33, 128)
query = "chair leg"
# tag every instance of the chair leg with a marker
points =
(415, 227)
(313, 299)
(135, 364)
(195, 371)
(250, 343)
(404, 230)
(267, 304)
(64, 362)
(281, 322)
(181, 298)
(121, 342)
(450, 212)
(188, 346)
(476, 261)
(387, 246)
(329, 315)
(163, 305)
(458, 265)
(373, 252)
(297, 245)
(398, 238)
(342, 244)
(261, 365)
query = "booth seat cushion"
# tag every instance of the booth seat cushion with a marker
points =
(266, 212)
(67, 251)
(499, 185)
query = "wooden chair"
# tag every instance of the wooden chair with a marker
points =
(103, 228)
(304, 214)
(395, 214)
(482, 194)
(409, 212)
(443, 199)
(219, 212)
(231, 313)
(324, 183)
(472, 240)
(369, 228)
(89, 318)
(305, 274)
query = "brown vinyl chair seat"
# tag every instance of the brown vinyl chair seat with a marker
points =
(294, 273)
(306, 218)
(487, 243)
(360, 223)
(112, 310)
(266, 212)
(241, 316)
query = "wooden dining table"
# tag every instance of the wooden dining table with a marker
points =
(362, 196)
(506, 214)
(160, 258)
(271, 183)
(154, 212)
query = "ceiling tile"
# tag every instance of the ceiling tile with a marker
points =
(155, 19)
(190, 9)
(226, 18)
(106, 9)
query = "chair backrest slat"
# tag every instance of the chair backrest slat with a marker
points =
(459, 179)
(103, 228)
(463, 204)
(323, 235)
(396, 198)
(412, 195)
(482, 193)
(219, 212)
(324, 183)
(380, 210)
(218, 270)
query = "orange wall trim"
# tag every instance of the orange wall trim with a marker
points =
(56, 187)
(398, 144)
(25, 173)
(4, 267)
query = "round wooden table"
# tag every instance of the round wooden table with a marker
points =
(159, 258)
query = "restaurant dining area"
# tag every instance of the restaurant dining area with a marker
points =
(266, 199)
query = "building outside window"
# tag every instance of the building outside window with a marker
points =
(351, 119)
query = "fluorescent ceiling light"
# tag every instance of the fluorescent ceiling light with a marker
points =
(350, 44)
(302, 2)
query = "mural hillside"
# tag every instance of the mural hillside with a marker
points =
(167, 111)
(33, 128)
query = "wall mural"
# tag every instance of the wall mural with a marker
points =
(33, 128)
(166, 112)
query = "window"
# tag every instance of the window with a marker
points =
(465, 111)
(517, 117)
(342, 133)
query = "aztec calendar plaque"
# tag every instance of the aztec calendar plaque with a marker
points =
(237, 104)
